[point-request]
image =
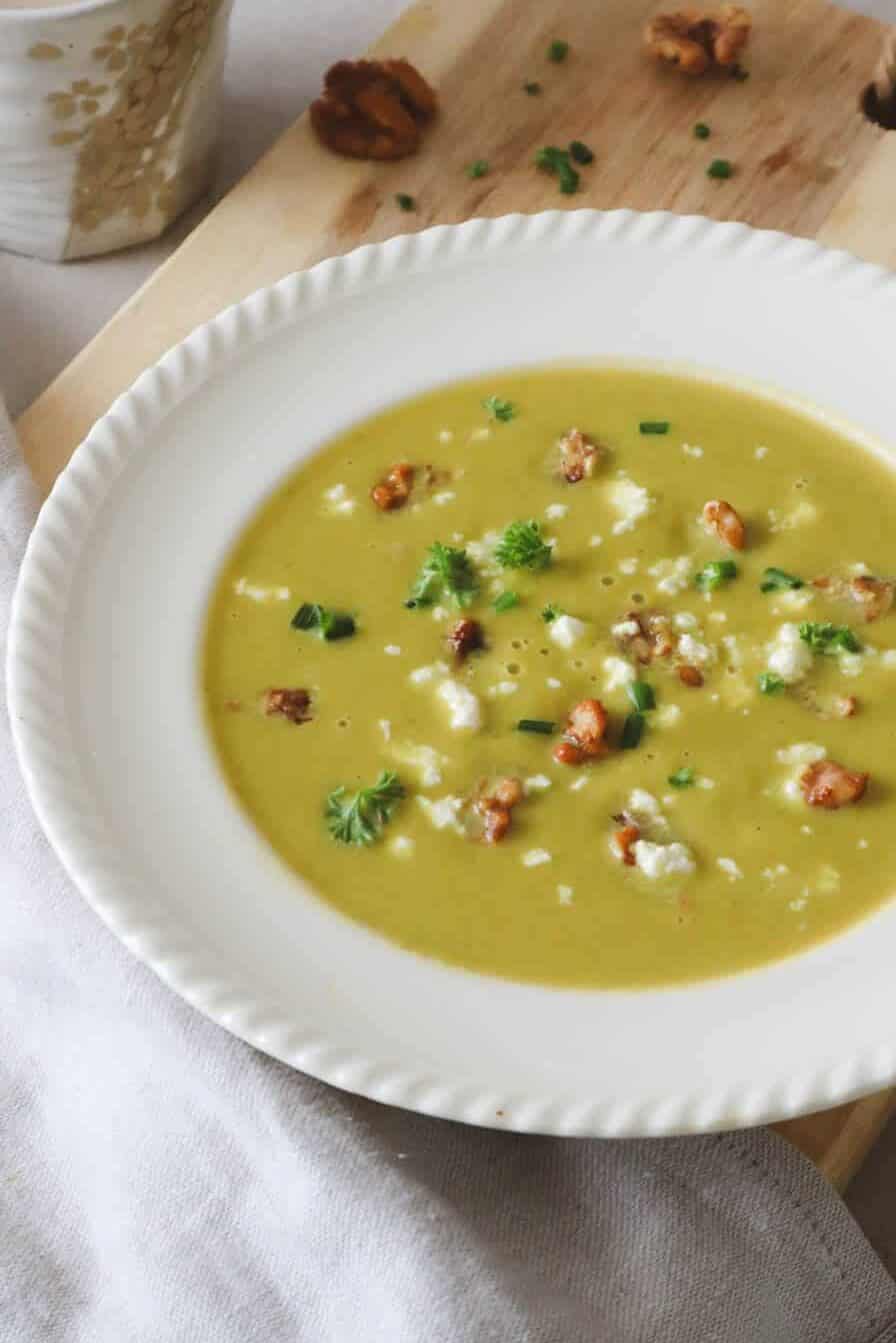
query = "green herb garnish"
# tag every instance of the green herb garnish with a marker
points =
(404, 201)
(770, 683)
(683, 778)
(654, 427)
(329, 625)
(720, 169)
(506, 602)
(541, 725)
(358, 818)
(532, 87)
(702, 131)
(632, 731)
(778, 580)
(556, 161)
(446, 572)
(558, 51)
(499, 409)
(478, 168)
(715, 575)
(641, 695)
(823, 637)
(579, 152)
(550, 613)
(522, 547)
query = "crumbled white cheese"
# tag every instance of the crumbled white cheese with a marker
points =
(632, 502)
(647, 814)
(439, 612)
(796, 599)
(553, 684)
(423, 675)
(692, 449)
(806, 830)
(338, 500)
(402, 846)
(694, 652)
(862, 844)
(801, 753)
(625, 629)
(565, 894)
(720, 617)
(336, 492)
(828, 880)
(535, 857)
(888, 658)
(851, 664)
(596, 541)
(556, 511)
(386, 728)
(443, 497)
(618, 673)
(503, 688)
(425, 760)
(760, 452)
(704, 782)
(578, 784)
(662, 860)
(539, 783)
(730, 868)
(788, 656)
(667, 715)
(566, 631)
(628, 566)
(731, 644)
(393, 650)
(672, 575)
(799, 516)
(479, 435)
(243, 588)
(446, 436)
(463, 705)
(773, 873)
(444, 812)
(482, 553)
(685, 620)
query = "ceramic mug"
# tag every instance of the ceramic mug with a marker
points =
(107, 119)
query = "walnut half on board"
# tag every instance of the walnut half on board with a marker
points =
(373, 109)
(698, 40)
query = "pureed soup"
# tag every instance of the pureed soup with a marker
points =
(584, 676)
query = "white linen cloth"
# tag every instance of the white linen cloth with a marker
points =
(160, 1180)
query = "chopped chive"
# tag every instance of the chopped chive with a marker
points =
(478, 168)
(499, 409)
(307, 617)
(715, 574)
(720, 169)
(641, 695)
(550, 613)
(823, 637)
(330, 625)
(682, 778)
(540, 725)
(558, 51)
(556, 161)
(770, 683)
(568, 179)
(506, 602)
(702, 131)
(404, 201)
(778, 580)
(580, 152)
(532, 87)
(632, 731)
(654, 427)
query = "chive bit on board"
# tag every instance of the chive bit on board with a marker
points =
(557, 162)
(404, 201)
(702, 131)
(478, 168)
(532, 87)
(558, 51)
(720, 169)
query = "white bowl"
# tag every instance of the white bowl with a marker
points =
(106, 710)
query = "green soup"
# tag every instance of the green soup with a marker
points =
(706, 794)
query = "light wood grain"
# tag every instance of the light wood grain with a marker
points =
(806, 161)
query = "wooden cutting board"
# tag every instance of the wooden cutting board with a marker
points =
(805, 161)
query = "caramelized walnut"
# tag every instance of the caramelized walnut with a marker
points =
(690, 676)
(725, 522)
(293, 705)
(495, 809)
(373, 109)
(874, 596)
(579, 456)
(465, 638)
(624, 840)
(695, 40)
(394, 489)
(827, 784)
(645, 636)
(583, 736)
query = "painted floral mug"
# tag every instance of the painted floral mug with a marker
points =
(108, 115)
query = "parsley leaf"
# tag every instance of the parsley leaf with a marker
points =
(499, 409)
(446, 572)
(551, 612)
(522, 547)
(682, 778)
(823, 637)
(778, 580)
(358, 818)
(715, 574)
(770, 683)
(329, 625)
(505, 602)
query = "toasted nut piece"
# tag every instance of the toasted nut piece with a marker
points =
(394, 489)
(290, 704)
(578, 456)
(622, 842)
(583, 737)
(827, 784)
(695, 40)
(495, 820)
(465, 638)
(690, 676)
(373, 109)
(873, 595)
(726, 522)
(653, 638)
(508, 792)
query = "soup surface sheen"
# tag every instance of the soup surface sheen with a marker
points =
(733, 867)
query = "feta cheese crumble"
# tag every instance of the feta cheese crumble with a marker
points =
(672, 575)
(463, 705)
(402, 846)
(662, 860)
(617, 673)
(788, 656)
(554, 511)
(535, 857)
(257, 593)
(730, 868)
(630, 501)
(393, 650)
(566, 631)
(443, 813)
